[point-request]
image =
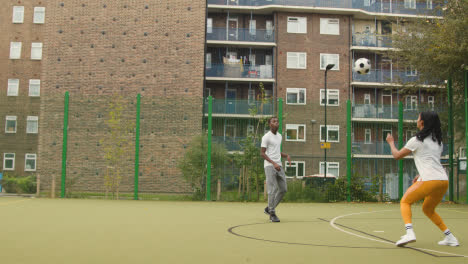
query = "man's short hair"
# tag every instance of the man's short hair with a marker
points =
(273, 117)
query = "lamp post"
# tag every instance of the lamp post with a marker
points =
(329, 66)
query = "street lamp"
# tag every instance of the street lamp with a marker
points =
(329, 66)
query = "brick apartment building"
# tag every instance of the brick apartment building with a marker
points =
(163, 49)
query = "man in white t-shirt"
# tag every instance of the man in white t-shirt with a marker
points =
(274, 172)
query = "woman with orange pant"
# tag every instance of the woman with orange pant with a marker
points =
(432, 182)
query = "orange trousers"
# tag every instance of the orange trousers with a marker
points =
(432, 192)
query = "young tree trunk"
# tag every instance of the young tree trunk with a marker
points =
(381, 188)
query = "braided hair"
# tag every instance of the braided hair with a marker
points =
(431, 127)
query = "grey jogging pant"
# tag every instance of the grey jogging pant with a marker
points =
(276, 186)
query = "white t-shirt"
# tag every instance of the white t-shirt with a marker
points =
(427, 159)
(272, 143)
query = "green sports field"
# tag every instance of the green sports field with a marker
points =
(103, 231)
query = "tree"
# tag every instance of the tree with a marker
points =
(438, 49)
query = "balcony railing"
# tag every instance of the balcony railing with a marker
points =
(240, 107)
(372, 40)
(393, 7)
(238, 70)
(410, 112)
(233, 143)
(385, 76)
(379, 148)
(241, 34)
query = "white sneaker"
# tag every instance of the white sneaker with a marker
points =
(410, 237)
(449, 240)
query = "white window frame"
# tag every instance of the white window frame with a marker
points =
(13, 87)
(367, 98)
(251, 96)
(297, 25)
(296, 91)
(15, 50)
(18, 14)
(209, 25)
(413, 102)
(367, 136)
(331, 93)
(5, 158)
(296, 60)
(39, 15)
(411, 71)
(410, 4)
(431, 101)
(253, 27)
(462, 153)
(10, 118)
(30, 156)
(295, 166)
(329, 129)
(330, 165)
(327, 29)
(36, 51)
(269, 28)
(429, 4)
(327, 58)
(32, 125)
(34, 87)
(295, 127)
(208, 60)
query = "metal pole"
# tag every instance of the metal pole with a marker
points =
(450, 135)
(280, 118)
(466, 129)
(400, 145)
(208, 163)
(326, 131)
(64, 144)
(137, 146)
(349, 148)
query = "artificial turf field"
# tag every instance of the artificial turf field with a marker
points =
(106, 231)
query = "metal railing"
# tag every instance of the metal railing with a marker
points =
(379, 148)
(410, 112)
(237, 70)
(385, 76)
(240, 107)
(372, 40)
(241, 34)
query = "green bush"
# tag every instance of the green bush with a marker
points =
(16, 184)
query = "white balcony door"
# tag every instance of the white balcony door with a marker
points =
(233, 28)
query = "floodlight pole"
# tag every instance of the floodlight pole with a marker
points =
(329, 66)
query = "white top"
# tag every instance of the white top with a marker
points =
(272, 143)
(427, 159)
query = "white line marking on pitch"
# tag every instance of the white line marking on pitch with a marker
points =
(332, 223)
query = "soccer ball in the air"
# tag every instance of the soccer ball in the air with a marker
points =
(362, 66)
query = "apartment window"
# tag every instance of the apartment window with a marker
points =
(269, 29)
(410, 4)
(297, 25)
(333, 97)
(297, 60)
(411, 102)
(253, 27)
(329, 26)
(39, 15)
(411, 71)
(369, 2)
(367, 136)
(333, 168)
(9, 161)
(209, 25)
(429, 4)
(32, 125)
(367, 99)
(430, 101)
(208, 60)
(10, 124)
(18, 14)
(34, 87)
(30, 162)
(36, 51)
(295, 132)
(295, 170)
(251, 97)
(15, 50)
(333, 133)
(296, 96)
(326, 59)
(13, 87)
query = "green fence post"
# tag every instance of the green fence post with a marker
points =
(137, 146)
(208, 162)
(400, 145)
(280, 119)
(348, 149)
(64, 144)
(450, 136)
(466, 129)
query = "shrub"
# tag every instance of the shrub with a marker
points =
(16, 184)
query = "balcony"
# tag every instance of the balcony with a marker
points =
(379, 148)
(240, 107)
(372, 40)
(241, 34)
(410, 112)
(385, 76)
(233, 143)
(237, 70)
(393, 7)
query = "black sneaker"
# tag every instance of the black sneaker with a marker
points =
(266, 211)
(274, 218)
